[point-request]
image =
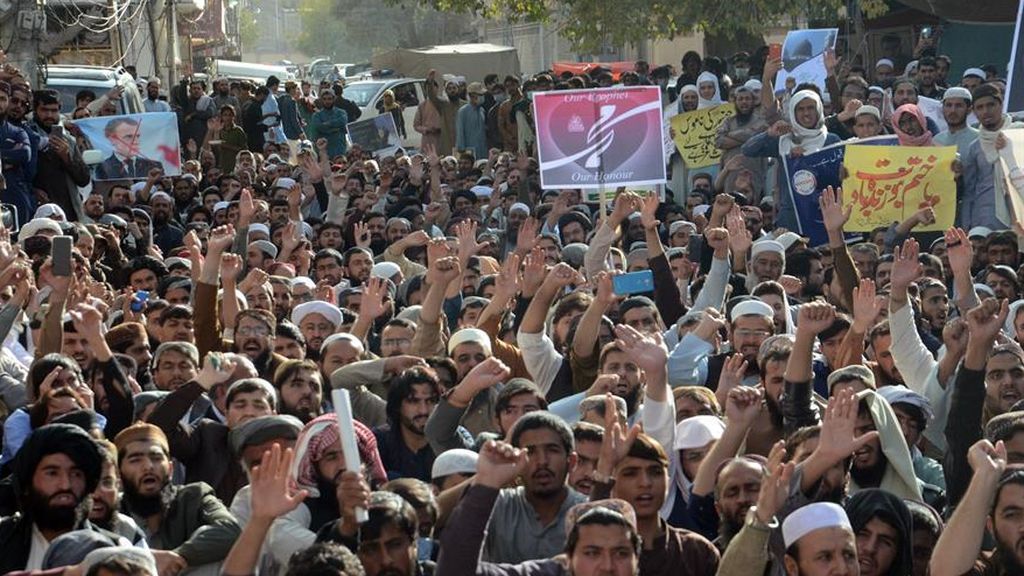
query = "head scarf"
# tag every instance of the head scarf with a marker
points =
(704, 78)
(899, 478)
(925, 139)
(810, 139)
(319, 435)
(873, 503)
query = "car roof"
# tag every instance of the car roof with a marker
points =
(93, 73)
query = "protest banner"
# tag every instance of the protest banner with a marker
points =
(607, 195)
(694, 134)
(133, 144)
(810, 174)
(377, 134)
(803, 56)
(1011, 208)
(605, 137)
(888, 185)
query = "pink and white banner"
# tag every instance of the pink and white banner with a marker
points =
(606, 137)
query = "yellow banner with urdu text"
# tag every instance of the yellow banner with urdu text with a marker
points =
(694, 134)
(887, 184)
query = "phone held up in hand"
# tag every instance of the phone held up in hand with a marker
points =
(633, 283)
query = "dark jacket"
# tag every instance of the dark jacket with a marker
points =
(114, 169)
(201, 447)
(872, 503)
(16, 540)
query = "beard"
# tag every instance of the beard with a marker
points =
(870, 477)
(1007, 554)
(104, 518)
(632, 399)
(378, 245)
(146, 506)
(56, 518)
(302, 413)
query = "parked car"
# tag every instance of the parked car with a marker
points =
(70, 80)
(369, 96)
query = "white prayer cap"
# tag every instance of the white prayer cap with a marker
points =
(519, 206)
(957, 92)
(175, 261)
(884, 62)
(789, 238)
(284, 183)
(751, 308)
(767, 246)
(982, 231)
(467, 335)
(49, 211)
(158, 195)
(811, 517)
(264, 246)
(975, 72)
(482, 191)
(329, 311)
(753, 84)
(330, 340)
(680, 224)
(222, 205)
(698, 432)
(384, 270)
(868, 109)
(35, 226)
(259, 228)
(454, 461)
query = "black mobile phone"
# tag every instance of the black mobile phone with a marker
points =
(695, 248)
(61, 254)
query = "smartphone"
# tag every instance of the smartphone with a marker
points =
(695, 249)
(57, 130)
(61, 254)
(9, 217)
(775, 50)
(633, 283)
(139, 300)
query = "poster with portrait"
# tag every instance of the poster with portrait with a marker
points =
(133, 144)
(803, 56)
(604, 137)
(378, 134)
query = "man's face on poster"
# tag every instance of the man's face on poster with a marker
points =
(125, 139)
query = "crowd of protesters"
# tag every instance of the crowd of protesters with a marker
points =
(771, 407)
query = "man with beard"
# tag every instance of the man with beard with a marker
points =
(282, 289)
(316, 320)
(990, 505)
(386, 543)
(328, 265)
(58, 468)
(983, 175)
(736, 130)
(694, 360)
(806, 266)
(528, 521)
(188, 526)
(106, 499)
(167, 234)
(300, 388)
(330, 122)
(357, 263)
(222, 95)
(153, 103)
(197, 110)
(956, 106)
(130, 338)
(174, 365)
(17, 153)
(60, 169)
(200, 446)
(412, 397)
(254, 338)
(517, 215)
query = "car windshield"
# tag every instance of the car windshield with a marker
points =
(363, 92)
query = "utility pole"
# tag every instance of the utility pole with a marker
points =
(172, 43)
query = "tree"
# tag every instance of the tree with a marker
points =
(591, 24)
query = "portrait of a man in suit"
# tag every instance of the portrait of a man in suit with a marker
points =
(125, 162)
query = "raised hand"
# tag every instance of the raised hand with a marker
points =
(625, 204)
(718, 240)
(605, 295)
(986, 458)
(832, 212)
(272, 496)
(775, 488)
(529, 232)
(711, 323)
(740, 239)
(372, 306)
(649, 210)
(230, 267)
(647, 350)
(88, 321)
(352, 492)
(954, 336)
(361, 233)
(534, 271)
(486, 374)
(465, 231)
(866, 306)
(958, 250)
(743, 405)
(220, 239)
(733, 370)
(394, 365)
(217, 369)
(986, 320)
(254, 278)
(437, 248)
(563, 275)
(838, 439)
(508, 282)
(815, 317)
(444, 271)
(246, 207)
(906, 268)
(499, 464)
(616, 442)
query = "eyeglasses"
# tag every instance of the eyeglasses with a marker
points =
(253, 331)
(396, 342)
(743, 333)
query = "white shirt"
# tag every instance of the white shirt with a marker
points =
(37, 550)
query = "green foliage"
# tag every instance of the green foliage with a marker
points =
(591, 24)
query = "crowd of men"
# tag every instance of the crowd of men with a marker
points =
(770, 407)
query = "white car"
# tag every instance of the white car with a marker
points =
(369, 96)
(68, 81)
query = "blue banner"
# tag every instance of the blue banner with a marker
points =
(808, 175)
